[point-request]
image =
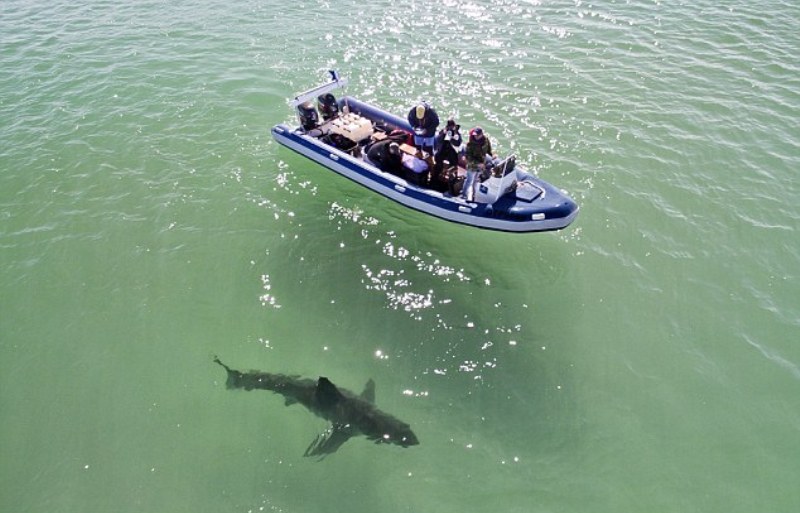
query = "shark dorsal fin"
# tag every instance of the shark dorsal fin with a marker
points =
(369, 392)
(327, 393)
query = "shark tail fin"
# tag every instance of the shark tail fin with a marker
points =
(233, 375)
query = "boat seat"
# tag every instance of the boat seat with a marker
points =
(505, 166)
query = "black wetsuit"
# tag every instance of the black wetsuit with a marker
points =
(379, 154)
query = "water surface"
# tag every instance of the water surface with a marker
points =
(644, 359)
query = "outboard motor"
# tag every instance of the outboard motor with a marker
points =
(309, 118)
(328, 106)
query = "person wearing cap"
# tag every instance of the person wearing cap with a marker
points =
(424, 121)
(479, 152)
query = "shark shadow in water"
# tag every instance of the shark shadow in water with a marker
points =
(349, 414)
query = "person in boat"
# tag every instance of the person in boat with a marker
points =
(480, 159)
(385, 154)
(424, 121)
(448, 148)
(449, 143)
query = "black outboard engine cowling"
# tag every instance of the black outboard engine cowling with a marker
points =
(309, 119)
(328, 106)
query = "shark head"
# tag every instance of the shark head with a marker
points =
(352, 415)
(395, 432)
(404, 437)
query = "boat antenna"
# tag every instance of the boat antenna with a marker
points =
(335, 78)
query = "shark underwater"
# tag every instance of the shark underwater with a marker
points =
(349, 414)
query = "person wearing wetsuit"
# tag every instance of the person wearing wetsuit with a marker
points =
(386, 156)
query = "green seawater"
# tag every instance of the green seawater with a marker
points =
(645, 359)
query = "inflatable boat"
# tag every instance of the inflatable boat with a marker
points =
(338, 133)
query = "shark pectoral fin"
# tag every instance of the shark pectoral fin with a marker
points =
(369, 392)
(329, 441)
